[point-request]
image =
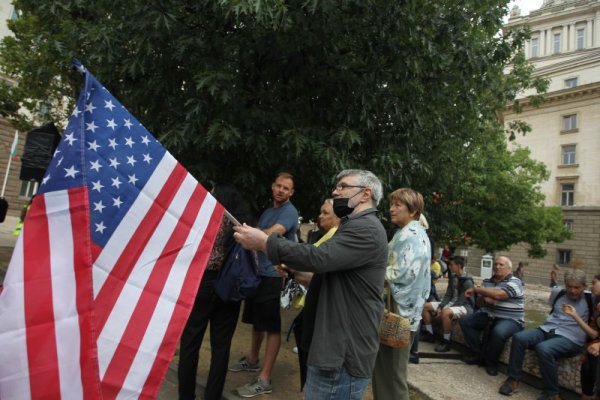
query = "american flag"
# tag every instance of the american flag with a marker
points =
(105, 272)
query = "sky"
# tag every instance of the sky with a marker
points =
(526, 5)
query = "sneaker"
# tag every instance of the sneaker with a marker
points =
(509, 387)
(413, 358)
(244, 365)
(443, 347)
(491, 370)
(255, 388)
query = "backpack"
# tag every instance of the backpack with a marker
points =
(238, 277)
(588, 299)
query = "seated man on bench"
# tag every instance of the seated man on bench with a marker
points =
(454, 304)
(501, 315)
(562, 335)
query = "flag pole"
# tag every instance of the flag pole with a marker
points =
(13, 152)
(231, 218)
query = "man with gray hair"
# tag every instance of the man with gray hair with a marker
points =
(563, 334)
(352, 265)
(501, 313)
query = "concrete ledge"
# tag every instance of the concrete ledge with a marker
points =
(568, 368)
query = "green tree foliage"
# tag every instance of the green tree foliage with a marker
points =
(241, 89)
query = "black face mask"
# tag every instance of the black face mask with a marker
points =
(340, 206)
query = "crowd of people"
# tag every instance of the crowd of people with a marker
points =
(346, 270)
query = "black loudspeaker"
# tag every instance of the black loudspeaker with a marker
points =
(3, 208)
(39, 149)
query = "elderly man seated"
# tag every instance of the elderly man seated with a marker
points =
(502, 314)
(563, 334)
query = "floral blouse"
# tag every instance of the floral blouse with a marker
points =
(407, 273)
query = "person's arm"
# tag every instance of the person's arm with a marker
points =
(594, 349)
(301, 277)
(276, 228)
(572, 312)
(348, 248)
(491, 293)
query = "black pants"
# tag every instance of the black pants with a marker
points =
(223, 317)
(589, 375)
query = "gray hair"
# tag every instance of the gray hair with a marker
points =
(367, 179)
(576, 275)
(328, 201)
(508, 262)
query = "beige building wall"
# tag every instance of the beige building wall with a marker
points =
(564, 47)
(6, 12)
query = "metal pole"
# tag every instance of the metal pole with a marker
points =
(10, 157)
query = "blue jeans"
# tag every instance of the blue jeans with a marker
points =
(335, 384)
(499, 331)
(549, 348)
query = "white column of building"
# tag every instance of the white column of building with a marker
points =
(588, 34)
(564, 39)
(597, 30)
(542, 44)
(527, 48)
(573, 37)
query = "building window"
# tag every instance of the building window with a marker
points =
(568, 155)
(569, 223)
(569, 122)
(580, 38)
(571, 82)
(534, 47)
(567, 194)
(556, 43)
(564, 256)
(28, 189)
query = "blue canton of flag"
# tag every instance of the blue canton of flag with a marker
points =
(113, 153)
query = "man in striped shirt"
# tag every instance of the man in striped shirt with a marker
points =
(501, 315)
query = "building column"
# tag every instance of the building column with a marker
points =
(588, 34)
(573, 37)
(564, 39)
(542, 44)
(597, 30)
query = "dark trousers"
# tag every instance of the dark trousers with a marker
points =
(223, 317)
(302, 354)
(498, 330)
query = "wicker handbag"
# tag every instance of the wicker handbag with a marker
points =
(394, 330)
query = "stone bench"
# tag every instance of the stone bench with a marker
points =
(568, 368)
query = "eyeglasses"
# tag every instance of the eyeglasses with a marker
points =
(343, 186)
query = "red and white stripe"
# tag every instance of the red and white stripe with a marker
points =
(48, 349)
(144, 277)
(132, 303)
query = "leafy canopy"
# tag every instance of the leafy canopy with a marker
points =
(241, 89)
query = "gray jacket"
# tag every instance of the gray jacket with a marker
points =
(350, 305)
(463, 283)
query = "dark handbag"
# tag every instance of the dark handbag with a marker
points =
(394, 330)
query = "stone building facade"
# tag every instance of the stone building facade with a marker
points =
(564, 47)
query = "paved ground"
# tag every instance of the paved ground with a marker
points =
(432, 378)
